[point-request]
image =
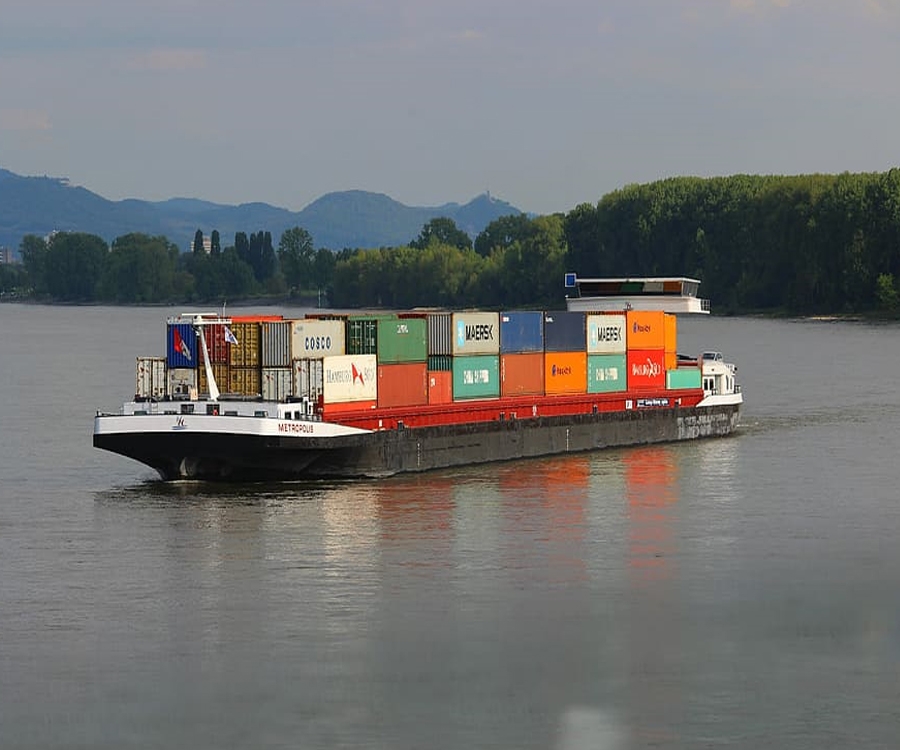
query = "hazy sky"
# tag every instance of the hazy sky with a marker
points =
(545, 104)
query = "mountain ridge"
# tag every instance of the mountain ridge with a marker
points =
(336, 220)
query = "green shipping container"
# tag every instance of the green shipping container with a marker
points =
(362, 333)
(685, 377)
(607, 373)
(476, 377)
(440, 362)
(402, 340)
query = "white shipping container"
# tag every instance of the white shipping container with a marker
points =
(307, 378)
(150, 377)
(606, 334)
(276, 383)
(276, 344)
(351, 377)
(314, 339)
(181, 382)
(476, 333)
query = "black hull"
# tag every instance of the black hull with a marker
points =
(238, 458)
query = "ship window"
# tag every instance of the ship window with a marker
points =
(187, 408)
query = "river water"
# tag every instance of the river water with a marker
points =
(738, 593)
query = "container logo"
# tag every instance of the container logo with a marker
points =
(317, 343)
(477, 332)
(561, 371)
(477, 377)
(181, 345)
(357, 375)
(608, 334)
(638, 328)
(650, 369)
(602, 374)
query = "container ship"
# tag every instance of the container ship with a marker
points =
(257, 398)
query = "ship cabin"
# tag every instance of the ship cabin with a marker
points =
(671, 294)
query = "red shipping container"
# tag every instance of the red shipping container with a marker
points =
(646, 369)
(216, 343)
(404, 384)
(522, 374)
(440, 386)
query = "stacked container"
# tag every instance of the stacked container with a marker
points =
(521, 353)
(402, 353)
(606, 347)
(476, 355)
(565, 353)
(181, 360)
(150, 378)
(275, 360)
(313, 339)
(646, 338)
(244, 357)
(349, 382)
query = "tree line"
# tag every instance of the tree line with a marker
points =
(795, 244)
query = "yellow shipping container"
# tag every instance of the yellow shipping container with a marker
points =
(565, 372)
(220, 373)
(645, 329)
(244, 381)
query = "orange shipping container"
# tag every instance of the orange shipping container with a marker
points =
(566, 372)
(440, 387)
(403, 384)
(671, 360)
(671, 343)
(646, 369)
(522, 374)
(645, 329)
(345, 407)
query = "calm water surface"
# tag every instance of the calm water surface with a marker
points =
(737, 593)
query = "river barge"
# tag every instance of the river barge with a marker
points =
(260, 398)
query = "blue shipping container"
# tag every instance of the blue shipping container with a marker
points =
(565, 332)
(181, 346)
(521, 332)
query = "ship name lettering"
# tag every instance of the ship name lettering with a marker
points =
(299, 428)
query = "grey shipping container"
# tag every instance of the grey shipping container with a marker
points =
(440, 334)
(565, 332)
(476, 333)
(150, 377)
(276, 344)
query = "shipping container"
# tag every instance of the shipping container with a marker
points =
(607, 373)
(402, 340)
(440, 334)
(476, 333)
(307, 377)
(255, 318)
(216, 343)
(276, 383)
(671, 360)
(150, 378)
(606, 334)
(645, 329)
(440, 362)
(312, 338)
(565, 373)
(521, 332)
(476, 377)
(181, 346)
(362, 334)
(244, 381)
(522, 374)
(682, 378)
(181, 382)
(245, 353)
(276, 344)
(440, 386)
(220, 373)
(671, 340)
(351, 377)
(403, 384)
(646, 369)
(565, 332)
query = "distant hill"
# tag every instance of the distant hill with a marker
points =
(352, 218)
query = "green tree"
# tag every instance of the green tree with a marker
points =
(197, 246)
(296, 256)
(34, 253)
(140, 268)
(215, 243)
(442, 230)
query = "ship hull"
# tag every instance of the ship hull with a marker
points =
(199, 447)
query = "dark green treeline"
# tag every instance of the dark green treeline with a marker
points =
(798, 244)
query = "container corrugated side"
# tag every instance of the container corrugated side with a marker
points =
(476, 377)
(276, 383)
(521, 332)
(440, 386)
(476, 333)
(646, 369)
(565, 332)
(645, 329)
(350, 377)
(402, 340)
(606, 334)
(245, 353)
(312, 338)
(402, 384)
(440, 362)
(683, 378)
(220, 373)
(244, 381)
(440, 334)
(181, 346)
(522, 374)
(671, 333)
(307, 377)
(276, 344)
(565, 373)
(150, 377)
(607, 373)
(181, 381)
(216, 344)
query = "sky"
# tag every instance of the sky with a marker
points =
(546, 105)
